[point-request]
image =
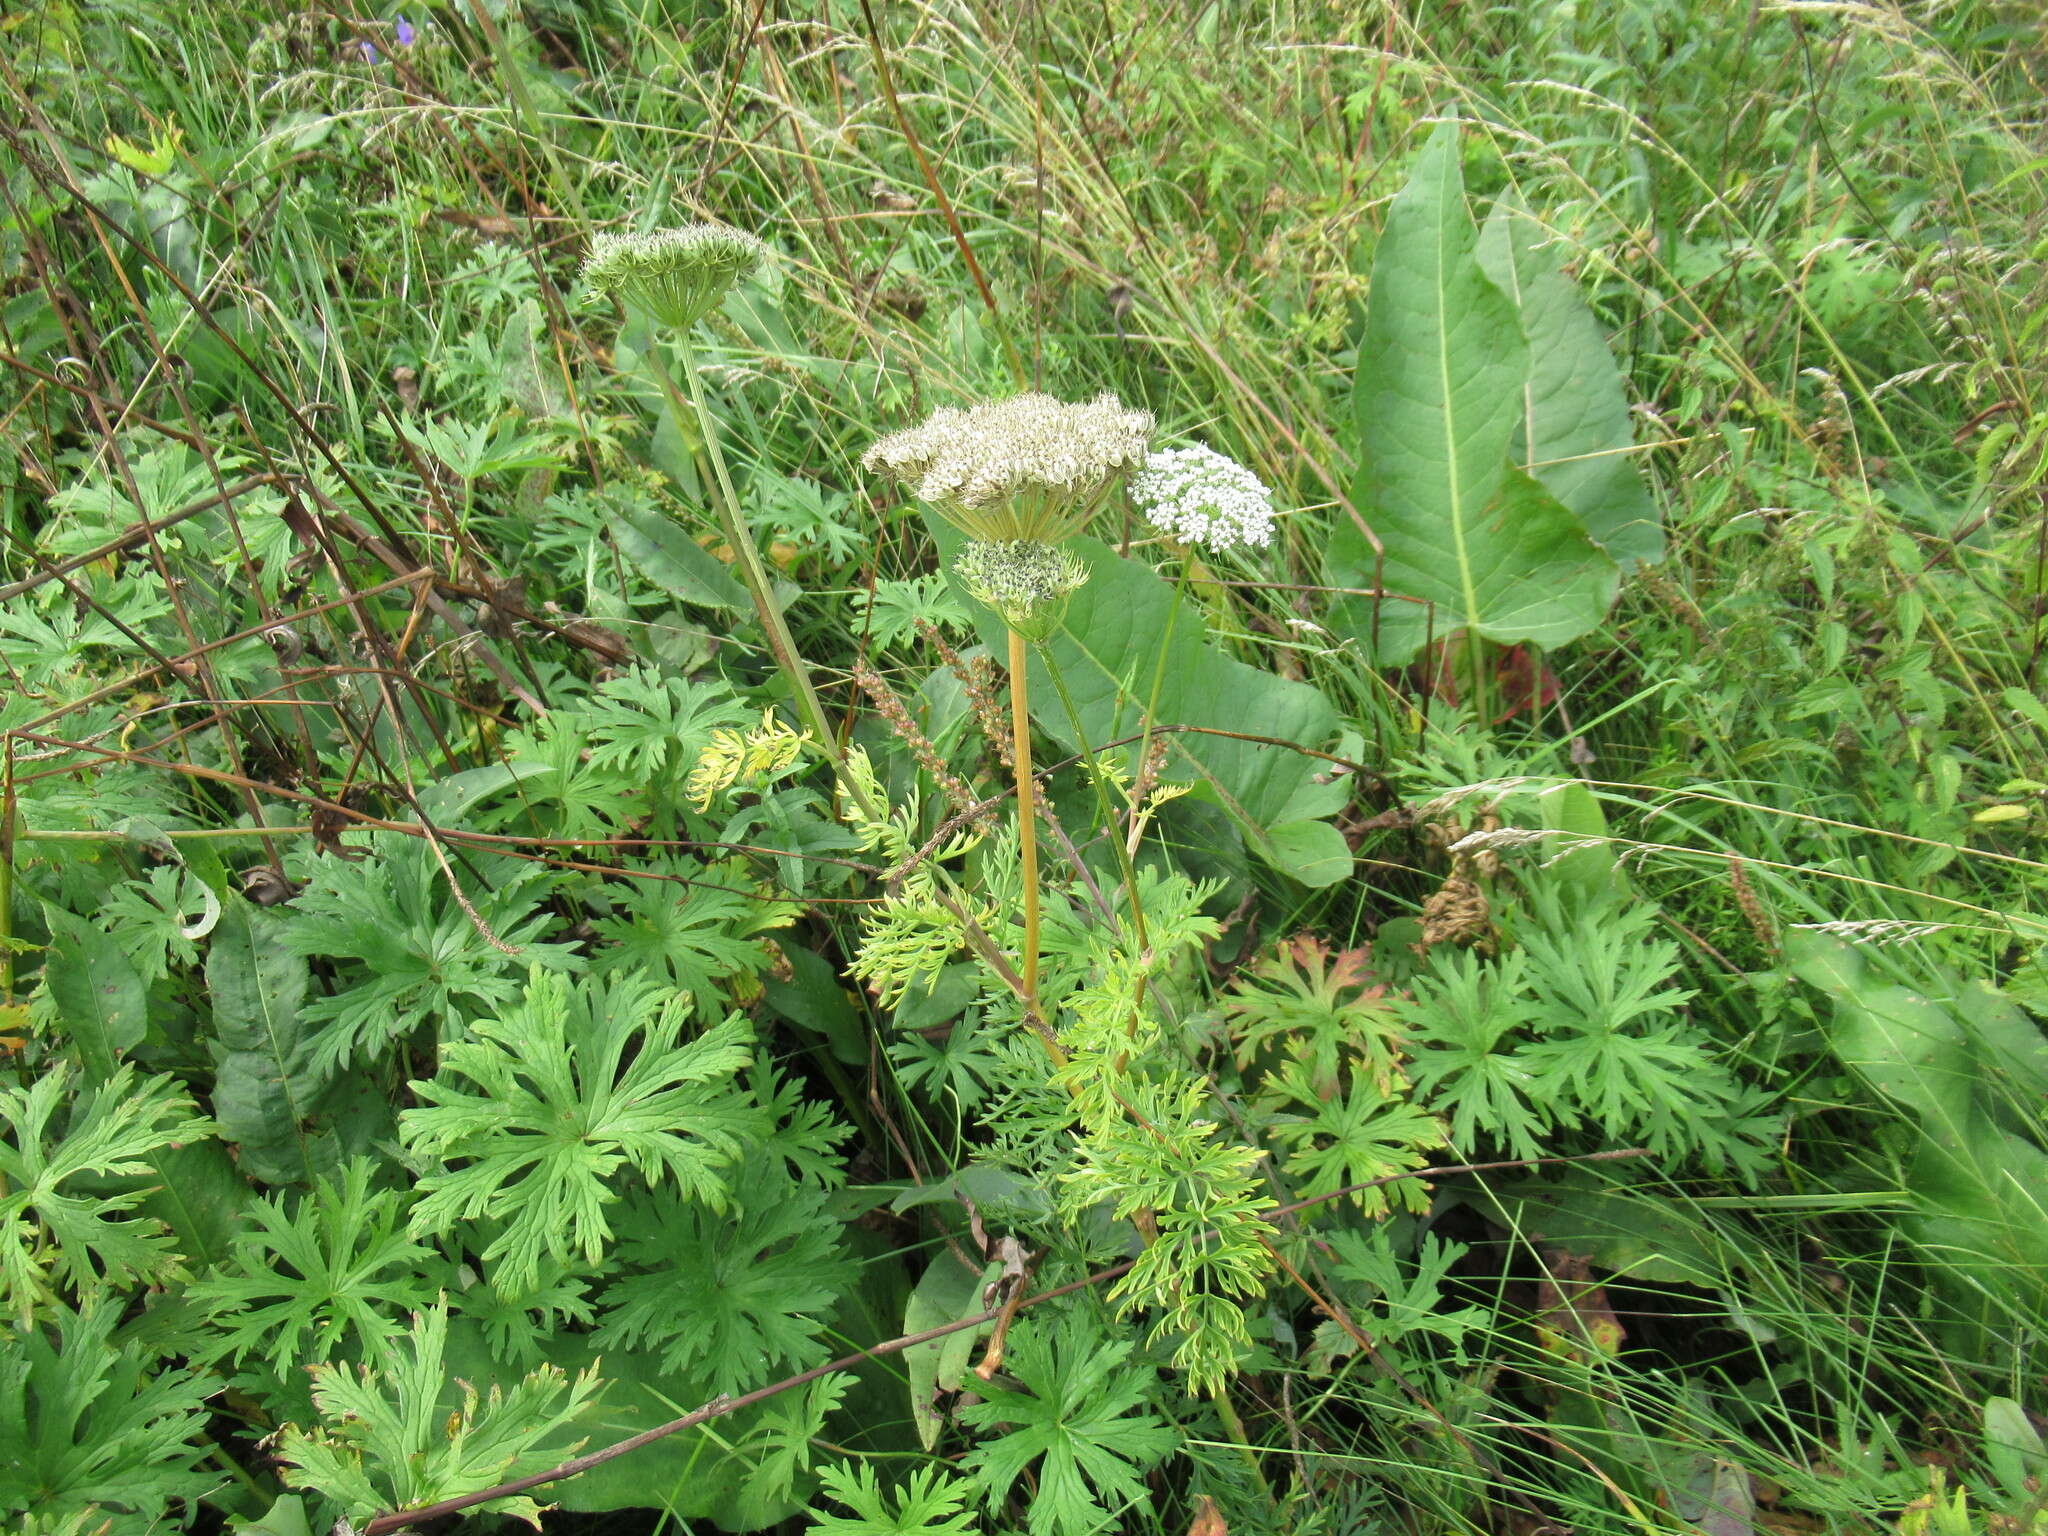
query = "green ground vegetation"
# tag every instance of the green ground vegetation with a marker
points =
(514, 921)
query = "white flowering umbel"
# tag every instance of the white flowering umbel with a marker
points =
(1018, 477)
(1204, 498)
(1026, 582)
(1029, 467)
(678, 275)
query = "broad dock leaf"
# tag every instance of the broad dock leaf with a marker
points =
(1471, 543)
(1576, 437)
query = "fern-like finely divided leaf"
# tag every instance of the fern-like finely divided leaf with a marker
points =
(390, 1441)
(1077, 1413)
(1209, 1254)
(61, 1229)
(572, 1084)
(334, 1270)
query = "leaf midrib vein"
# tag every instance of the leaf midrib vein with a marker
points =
(1443, 356)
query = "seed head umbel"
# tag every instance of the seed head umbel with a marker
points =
(1204, 498)
(1025, 581)
(1028, 468)
(678, 275)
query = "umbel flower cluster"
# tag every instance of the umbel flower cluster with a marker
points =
(1029, 467)
(1203, 497)
(1018, 476)
(678, 275)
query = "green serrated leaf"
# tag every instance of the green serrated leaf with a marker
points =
(100, 997)
(1313, 852)
(266, 1090)
(1571, 808)
(386, 1443)
(1634, 1234)
(947, 1292)
(199, 1197)
(568, 1099)
(667, 556)
(92, 1431)
(813, 999)
(1576, 435)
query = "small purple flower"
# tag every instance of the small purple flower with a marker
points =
(369, 50)
(405, 33)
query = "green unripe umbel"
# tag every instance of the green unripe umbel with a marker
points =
(1025, 581)
(678, 275)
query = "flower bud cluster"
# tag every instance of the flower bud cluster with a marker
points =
(1203, 497)
(678, 275)
(1023, 580)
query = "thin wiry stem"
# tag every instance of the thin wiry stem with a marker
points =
(748, 558)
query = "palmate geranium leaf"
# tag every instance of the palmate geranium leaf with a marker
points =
(425, 958)
(571, 1085)
(61, 1228)
(929, 1504)
(1466, 1024)
(1077, 1412)
(390, 1441)
(89, 1432)
(1353, 1136)
(645, 724)
(695, 931)
(736, 1298)
(336, 1268)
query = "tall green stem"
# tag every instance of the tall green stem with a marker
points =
(1027, 813)
(747, 556)
(1125, 864)
(6, 869)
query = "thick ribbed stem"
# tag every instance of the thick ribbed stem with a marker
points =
(1027, 814)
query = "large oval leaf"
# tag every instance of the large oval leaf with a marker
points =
(1576, 437)
(1122, 636)
(1470, 542)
